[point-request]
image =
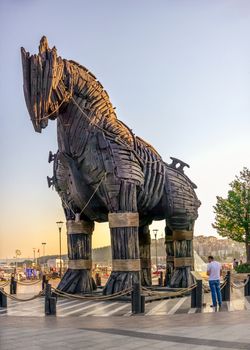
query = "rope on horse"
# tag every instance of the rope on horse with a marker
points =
(66, 204)
(117, 138)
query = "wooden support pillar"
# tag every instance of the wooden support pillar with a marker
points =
(145, 255)
(183, 259)
(78, 277)
(125, 252)
(169, 256)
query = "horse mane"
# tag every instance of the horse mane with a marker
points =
(104, 110)
(110, 122)
(99, 87)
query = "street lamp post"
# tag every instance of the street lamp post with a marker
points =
(156, 257)
(34, 254)
(43, 244)
(59, 225)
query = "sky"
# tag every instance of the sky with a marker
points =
(178, 73)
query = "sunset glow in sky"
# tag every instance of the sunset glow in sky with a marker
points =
(178, 73)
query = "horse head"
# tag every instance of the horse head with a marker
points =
(47, 83)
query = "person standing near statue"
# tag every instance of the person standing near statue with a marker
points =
(214, 273)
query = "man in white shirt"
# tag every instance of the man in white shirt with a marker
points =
(214, 273)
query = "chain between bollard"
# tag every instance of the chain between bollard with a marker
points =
(180, 292)
(92, 297)
(236, 286)
(29, 283)
(12, 297)
(4, 284)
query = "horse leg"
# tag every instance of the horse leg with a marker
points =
(182, 247)
(78, 277)
(169, 255)
(123, 223)
(145, 255)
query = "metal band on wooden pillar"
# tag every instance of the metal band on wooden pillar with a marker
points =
(128, 219)
(80, 264)
(126, 265)
(183, 261)
(178, 237)
(182, 235)
(118, 220)
(84, 230)
(79, 227)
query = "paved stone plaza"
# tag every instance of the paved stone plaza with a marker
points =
(186, 331)
(170, 324)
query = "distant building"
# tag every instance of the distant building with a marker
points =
(54, 263)
(222, 249)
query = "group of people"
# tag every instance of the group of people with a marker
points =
(236, 263)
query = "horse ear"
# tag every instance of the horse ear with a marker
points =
(44, 46)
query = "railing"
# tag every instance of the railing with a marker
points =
(136, 293)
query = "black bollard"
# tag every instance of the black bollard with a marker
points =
(3, 298)
(98, 280)
(193, 297)
(50, 301)
(160, 279)
(247, 287)
(136, 298)
(142, 304)
(197, 295)
(13, 285)
(226, 291)
(44, 281)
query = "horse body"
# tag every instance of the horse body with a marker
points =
(101, 167)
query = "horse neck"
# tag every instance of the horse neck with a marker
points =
(90, 108)
(89, 97)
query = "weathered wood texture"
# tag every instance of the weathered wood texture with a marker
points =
(179, 258)
(145, 255)
(99, 158)
(124, 243)
(78, 277)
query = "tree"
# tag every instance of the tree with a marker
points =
(232, 217)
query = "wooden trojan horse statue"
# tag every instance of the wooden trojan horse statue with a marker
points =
(103, 172)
